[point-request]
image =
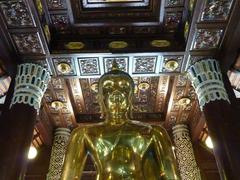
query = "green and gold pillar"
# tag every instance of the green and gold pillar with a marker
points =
(223, 124)
(17, 124)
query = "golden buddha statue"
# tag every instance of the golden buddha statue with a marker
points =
(120, 148)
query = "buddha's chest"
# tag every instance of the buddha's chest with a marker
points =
(121, 146)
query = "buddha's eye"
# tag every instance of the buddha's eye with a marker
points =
(108, 84)
(123, 84)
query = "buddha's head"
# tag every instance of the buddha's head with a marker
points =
(115, 91)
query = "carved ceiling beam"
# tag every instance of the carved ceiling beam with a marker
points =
(209, 25)
(182, 103)
(76, 95)
(58, 104)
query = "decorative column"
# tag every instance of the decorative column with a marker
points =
(17, 124)
(58, 153)
(222, 121)
(184, 152)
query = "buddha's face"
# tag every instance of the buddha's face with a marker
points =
(116, 91)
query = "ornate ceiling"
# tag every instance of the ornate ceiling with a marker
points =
(77, 40)
(155, 41)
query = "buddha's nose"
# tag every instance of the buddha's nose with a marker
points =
(116, 96)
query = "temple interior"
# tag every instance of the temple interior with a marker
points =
(164, 45)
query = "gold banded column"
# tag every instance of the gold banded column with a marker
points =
(17, 124)
(60, 142)
(184, 153)
(223, 122)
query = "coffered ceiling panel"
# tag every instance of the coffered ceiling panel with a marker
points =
(107, 10)
(113, 3)
(16, 13)
(96, 64)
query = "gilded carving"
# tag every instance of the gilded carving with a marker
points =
(65, 109)
(144, 64)
(174, 2)
(60, 21)
(172, 20)
(57, 4)
(48, 96)
(207, 38)
(28, 43)
(61, 96)
(122, 61)
(182, 80)
(89, 96)
(16, 13)
(64, 71)
(57, 83)
(89, 66)
(215, 10)
(172, 67)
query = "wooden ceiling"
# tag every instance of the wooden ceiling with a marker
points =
(155, 41)
(144, 36)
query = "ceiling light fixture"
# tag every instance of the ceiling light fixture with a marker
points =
(160, 43)
(118, 44)
(184, 101)
(171, 65)
(57, 105)
(143, 86)
(32, 153)
(64, 68)
(94, 87)
(209, 143)
(74, 45)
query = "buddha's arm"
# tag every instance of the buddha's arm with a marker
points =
(75, 156)
(163, 148)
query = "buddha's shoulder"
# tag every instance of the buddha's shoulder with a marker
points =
(141, 125)
(87, 128)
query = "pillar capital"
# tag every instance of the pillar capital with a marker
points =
(207, 80)
(30, 84)
(180, 131)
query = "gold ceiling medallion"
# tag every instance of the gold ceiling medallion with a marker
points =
(143, 86)
(57, 105)
(160, 43)
(94, 87)
(171, 65)
(74, 45)
(184, 101)
(118, 44)
(64, 68)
